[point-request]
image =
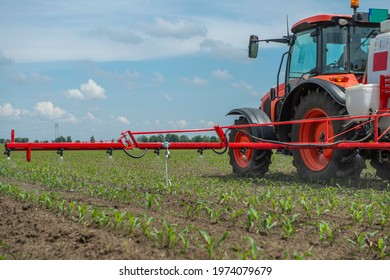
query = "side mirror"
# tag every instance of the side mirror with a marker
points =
(253, 46)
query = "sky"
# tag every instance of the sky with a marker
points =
(101, 67)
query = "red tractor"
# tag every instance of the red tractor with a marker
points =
(327, 54)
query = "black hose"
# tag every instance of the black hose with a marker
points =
(225, 149)
(136, 157)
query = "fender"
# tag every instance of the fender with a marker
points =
(337, 92)
(256, 116)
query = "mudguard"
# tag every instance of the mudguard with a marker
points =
(256, 116)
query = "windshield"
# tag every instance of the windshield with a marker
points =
(345, 48)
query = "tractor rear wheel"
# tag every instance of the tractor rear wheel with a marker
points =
(247, 162)
(322, 164)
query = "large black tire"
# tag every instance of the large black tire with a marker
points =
(382, 169)
(314, 164)
(247, 162)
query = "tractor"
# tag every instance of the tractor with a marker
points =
(327, 54)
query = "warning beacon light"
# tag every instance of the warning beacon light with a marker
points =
(354, 4)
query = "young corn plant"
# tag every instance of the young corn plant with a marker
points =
(286, 205)
(253, 251)
(235, 215)
(269, 223)
(170, 230)
(145, 225)
(133, 223)
(119, 219)
(212, 243)
(82, 212)
(252, 217)
(381, 248)
(326, 232)
(288, 225)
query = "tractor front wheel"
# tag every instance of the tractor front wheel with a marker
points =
(247, 162)
(322, 164)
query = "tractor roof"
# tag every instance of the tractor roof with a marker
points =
(317, 20)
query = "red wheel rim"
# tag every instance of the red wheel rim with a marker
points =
(315, 159)
(242, 159)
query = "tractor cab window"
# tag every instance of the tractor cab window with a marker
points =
(345, 48)
(335, 50)
(303, 55)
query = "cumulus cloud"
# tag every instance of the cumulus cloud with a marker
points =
(222, 49)
(158, 78)
(179, 123)
(5, 60)
(222, 74)
(121, 36)
(195, 81)
(89, 90)
(23, 78)
(7, 110)
(181, 29)
(123, 120)
(48, 110)
(245, 86)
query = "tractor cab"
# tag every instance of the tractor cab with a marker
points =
(329, 47)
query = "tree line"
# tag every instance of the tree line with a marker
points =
(154, 138)
(177, 138)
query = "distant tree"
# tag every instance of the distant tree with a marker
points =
(69, 139)
(143, 138)
(214, 139)
(197, 138)
(21, 139)
(60, 139)
(184, 138)
(2, 141)
(92, 140)
(172, 138)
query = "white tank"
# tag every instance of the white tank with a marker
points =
(362, 99)
(379, 55)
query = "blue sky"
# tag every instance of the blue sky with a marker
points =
(101, 67)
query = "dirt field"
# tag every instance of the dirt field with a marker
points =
(90, 207)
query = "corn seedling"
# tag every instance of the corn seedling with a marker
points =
(119, 219)
(145, 225)
(253, 250)
(269, 223)
(381, 248)
(235, 215)
(326, 232)
(133, 223)
(252, 217)
(211, 243)
(82, 212)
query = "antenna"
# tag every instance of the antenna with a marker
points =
(288, 30)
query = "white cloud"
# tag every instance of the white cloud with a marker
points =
(48, 110)
(5, 60)
(158, 78)
(90, 90)
(7, 110)
(207, 123)
(168, 97)
(245, 86)
(181, 29)
(222, 74)
(221, 49)
(93, 119)
(121, 36)
(195, 81)
(182, 123)
(123, 120)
